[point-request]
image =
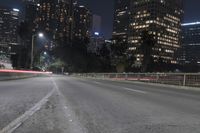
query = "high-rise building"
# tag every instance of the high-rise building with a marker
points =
(52, 17)
(96, 38)
(9, 21)
(96, 42)
(96, 24)
(82, 22)
(30, 15)
(162, 20)
(121, 21)
(190, 51)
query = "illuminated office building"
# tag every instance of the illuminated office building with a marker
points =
(190, 51)
(82, 22)
(9, 21)
(54, 19)
(121, 21)
(162, 19)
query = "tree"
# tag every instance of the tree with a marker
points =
(105, 58)
(148, 42)
(74, 54)
(57, 66)
(119, 55)
(130, 61)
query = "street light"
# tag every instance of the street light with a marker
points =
(45, 53)
(40, 35)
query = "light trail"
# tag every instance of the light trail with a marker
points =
(23, 71)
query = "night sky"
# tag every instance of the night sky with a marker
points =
(104, 8)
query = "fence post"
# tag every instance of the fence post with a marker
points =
(116, 76)
(126, 76)
(184, 79)
(157, 78)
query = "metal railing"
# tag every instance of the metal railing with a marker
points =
(180, 79)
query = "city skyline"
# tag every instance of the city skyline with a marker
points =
(106, 11)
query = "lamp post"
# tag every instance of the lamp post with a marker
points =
(40, 35)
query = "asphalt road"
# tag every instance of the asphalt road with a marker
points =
(61, 104)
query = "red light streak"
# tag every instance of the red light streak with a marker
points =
(23, 71)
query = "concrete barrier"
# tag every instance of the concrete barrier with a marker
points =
(20, 74)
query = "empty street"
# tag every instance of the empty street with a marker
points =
(61, 104)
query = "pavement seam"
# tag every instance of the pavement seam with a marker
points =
(12, 126)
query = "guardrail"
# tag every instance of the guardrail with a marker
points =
(180, 79)
(19, 74)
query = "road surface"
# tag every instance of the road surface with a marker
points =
(62, 104)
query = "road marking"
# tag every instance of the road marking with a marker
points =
(75, 125)
(129, 89)
(138, 91)
(12, 126)
(97, 82)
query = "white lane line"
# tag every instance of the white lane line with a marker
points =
(97, 82)
(75, 125)
(138, 91)
(12, 126)
(129, 89)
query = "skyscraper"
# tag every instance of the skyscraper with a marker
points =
(52, 17)
(96, 24)
(96, 38)
(82, 22)
(30, 15)
(190, 51)
(9, 21)
(160, 18)
(121, 21)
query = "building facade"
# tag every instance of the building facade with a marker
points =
(53, 18)
(96, 42)
(96, 24)
(190, 43)
(121, 21)
(82, 22)
(30, 15)
(162, 20)
(9, 21)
